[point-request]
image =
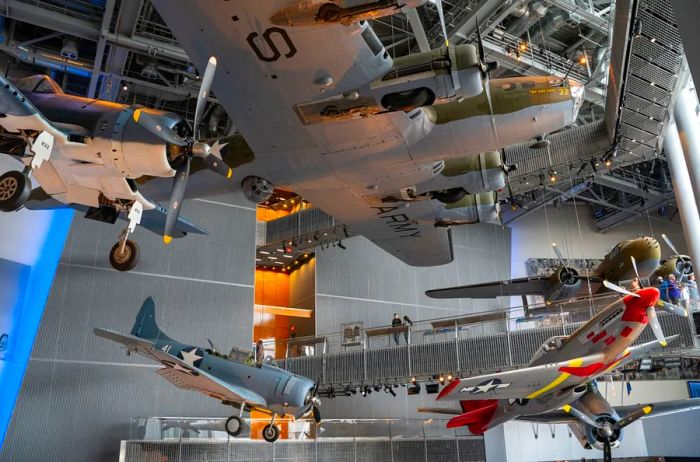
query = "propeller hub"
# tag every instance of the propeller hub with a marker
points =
(200, 149)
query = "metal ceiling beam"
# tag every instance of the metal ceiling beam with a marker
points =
(628, 187)
(481, 11)
(591, 19)
(418, 30)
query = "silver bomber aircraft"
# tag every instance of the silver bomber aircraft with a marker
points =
(230, 379)
(559, 384)
(398, 149)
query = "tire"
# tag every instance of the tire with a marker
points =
(270, 433)
(329, 12)
(450, 196)
(124, 262)
(234, 425)
(408, 100)
(14, 190)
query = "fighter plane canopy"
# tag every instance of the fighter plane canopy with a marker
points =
(39, 84)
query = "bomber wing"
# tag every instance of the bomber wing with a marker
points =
(535, 285)
(270, 76)
(184, 375)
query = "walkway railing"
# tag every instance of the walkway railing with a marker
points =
(455, 347)
(187, 439)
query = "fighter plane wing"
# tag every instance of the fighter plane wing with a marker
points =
(522, 286)
(182, 374)
(529, 382)
(21, 114)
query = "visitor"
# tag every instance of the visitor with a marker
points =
(685, 297)
(635, 285)
(259, 353)
(693, 294)
(674, 292)
(663, 288)
(396, 322)
(407, 324)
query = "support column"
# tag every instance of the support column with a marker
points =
(689, 131)
(683, 189)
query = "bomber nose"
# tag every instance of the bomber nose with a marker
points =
(578, 92)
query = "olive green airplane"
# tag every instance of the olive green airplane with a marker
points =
(566, 283)
(399, 150)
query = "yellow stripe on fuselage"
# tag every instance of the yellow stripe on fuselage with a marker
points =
(564, 375)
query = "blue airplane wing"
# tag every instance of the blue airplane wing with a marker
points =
(184, 375)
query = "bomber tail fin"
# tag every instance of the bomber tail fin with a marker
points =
(145, 326)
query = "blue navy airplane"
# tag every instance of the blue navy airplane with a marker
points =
(230, 379)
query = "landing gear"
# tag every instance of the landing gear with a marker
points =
(234, 425)
(125, 253)
(449, 196)
(330, 12)
(271, 431)
(14, 191)
(408, 100)
(540, 142)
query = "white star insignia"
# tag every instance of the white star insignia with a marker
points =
(189, 357)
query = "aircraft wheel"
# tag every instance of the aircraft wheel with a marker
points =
(450, 196)
(409, 99)
(271, 432)
(14, 190)
(126, 260)
(330, 12)
(234, 425)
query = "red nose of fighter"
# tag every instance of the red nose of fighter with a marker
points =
(636, 306)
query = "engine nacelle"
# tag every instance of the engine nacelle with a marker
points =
(472, 208)
(136, 151)
(474, 174)
(678, 265)
(596, 436)
(428, 78)
(257, 189)
(563, 284)
(320, 12)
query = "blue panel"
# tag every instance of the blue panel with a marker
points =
(694, 389)
(24, 290)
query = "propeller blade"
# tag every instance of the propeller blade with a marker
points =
(655, 326)
(204, 89)
(633, 416)
(636, 272)
(480, 43)
(558, 252)
(618, 289)
(216, 163)
(317, 414)
(151, 123)
(438, 4)
(585, 418)
(607, 451)
(671, 308)
(670, 244)
(176, 196)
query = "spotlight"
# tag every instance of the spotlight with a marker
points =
(450, 378)
(125, 88)
(340, 244)
(432, 388)
(377, 387)
(583, 59)
(413, 389)
(608, 163)
(389, 389)
(441, 379)
(413, 380)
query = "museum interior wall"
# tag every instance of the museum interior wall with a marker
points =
(363, 283)
(83, 388)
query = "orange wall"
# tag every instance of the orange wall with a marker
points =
(271, 288)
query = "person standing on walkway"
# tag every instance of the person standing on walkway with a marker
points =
(407, 323)
(396, 322)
